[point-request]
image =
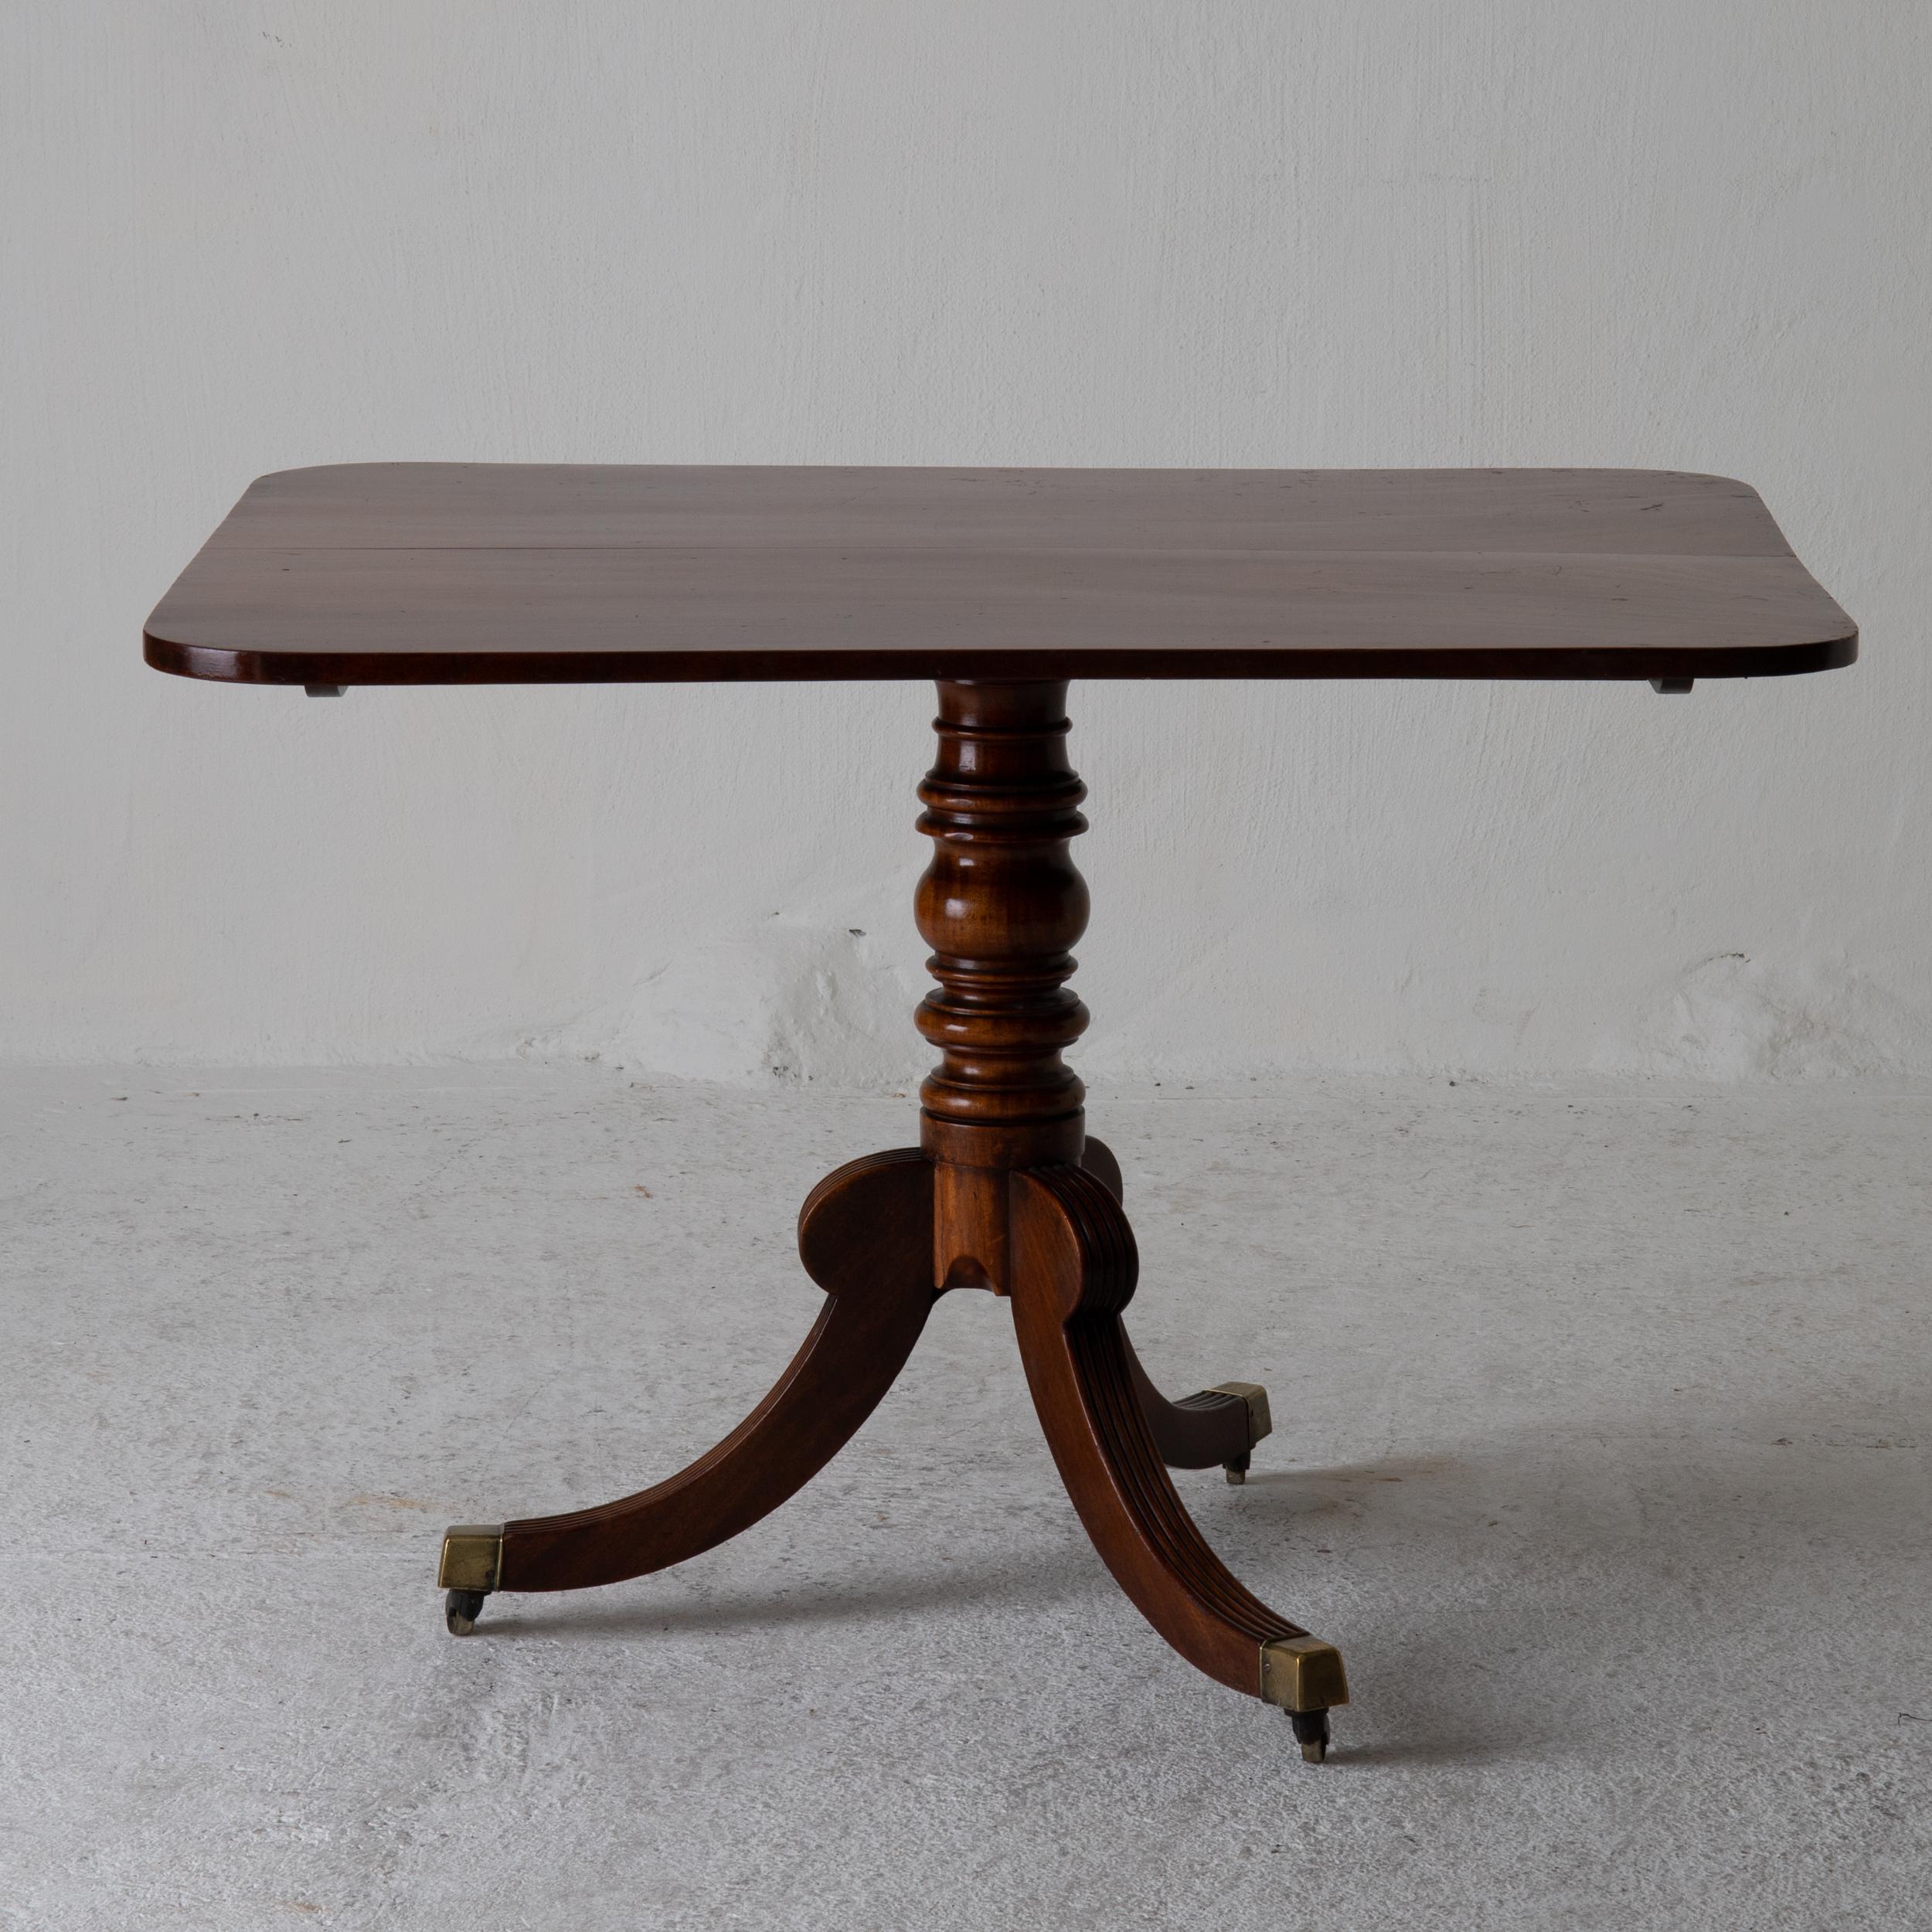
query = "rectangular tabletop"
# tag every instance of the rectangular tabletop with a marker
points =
(475, 574)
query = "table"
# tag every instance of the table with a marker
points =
(1000, 585)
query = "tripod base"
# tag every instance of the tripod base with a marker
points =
(865, 1235)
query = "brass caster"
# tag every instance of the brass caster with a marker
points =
(461, 1610)
(1304, 1677)
(1259, 1423)
(472, 1562)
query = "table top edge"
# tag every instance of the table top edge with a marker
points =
(1446, 663)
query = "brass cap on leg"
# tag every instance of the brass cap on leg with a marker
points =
(1302, 1674)
(472, 1557)
(1260, 1422)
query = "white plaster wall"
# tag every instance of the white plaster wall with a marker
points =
(242, 236)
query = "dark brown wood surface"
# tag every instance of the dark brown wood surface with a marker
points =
(1074, 1269)
(469, 573)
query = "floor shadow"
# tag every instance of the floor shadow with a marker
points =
(1035, 1585)
(1703, 1526)
(1696, 1523)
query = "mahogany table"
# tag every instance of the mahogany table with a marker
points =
(1001, 585)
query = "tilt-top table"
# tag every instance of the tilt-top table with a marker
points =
(1001, 585)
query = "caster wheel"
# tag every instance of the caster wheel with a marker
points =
(461, 1610)
(1235, 1471)
(1311, 1733)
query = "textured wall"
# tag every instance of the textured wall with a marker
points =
(238, 237)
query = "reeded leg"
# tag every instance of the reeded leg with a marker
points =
(865, 1236)
(1221, 1425)
(1073, 1269)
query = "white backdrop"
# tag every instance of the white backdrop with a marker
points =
(239, 237)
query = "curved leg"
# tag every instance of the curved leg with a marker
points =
(1073, 1271)
(865, 1235)
(1221, 1425)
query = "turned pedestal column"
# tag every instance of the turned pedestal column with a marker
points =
(1000, 905)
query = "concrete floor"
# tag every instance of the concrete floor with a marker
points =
(1603, 1421)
